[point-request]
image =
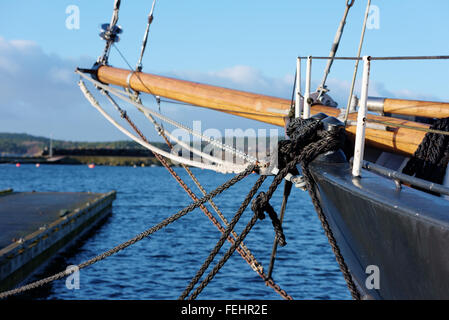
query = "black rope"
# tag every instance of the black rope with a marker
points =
(430, 160)
(302, 132)
(308, 140)
(223, 237)
(260, 205)
(311, 186)
(225, 258)
(287, 189)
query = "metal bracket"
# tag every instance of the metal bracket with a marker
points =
(110, 34)
(299, 182)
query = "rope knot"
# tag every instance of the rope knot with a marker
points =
(260, 205)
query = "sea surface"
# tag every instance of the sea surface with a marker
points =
(161, 266)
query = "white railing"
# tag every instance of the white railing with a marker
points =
(304, 108)
(359, 148)
(298, 106)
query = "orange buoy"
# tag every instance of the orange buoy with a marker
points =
(91, 165)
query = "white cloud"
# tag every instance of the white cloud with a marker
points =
(244, 78)
(23, 44)
(37, 79)
(39, 95)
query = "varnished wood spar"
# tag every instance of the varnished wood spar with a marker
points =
(398, 140)
(417, 108)
(256, 106)
(248, 105)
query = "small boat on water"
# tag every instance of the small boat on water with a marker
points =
(91, 165)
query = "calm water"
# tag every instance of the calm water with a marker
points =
(161, 266)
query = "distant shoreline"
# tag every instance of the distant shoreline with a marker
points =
(80, 160)
(24, 148)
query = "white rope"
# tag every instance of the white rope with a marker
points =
(160, 130)
(184, 145)
(174, 123)
(217, 168)
(124, 96)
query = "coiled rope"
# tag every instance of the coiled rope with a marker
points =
(430, 160)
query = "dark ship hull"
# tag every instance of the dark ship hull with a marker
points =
(402, 231)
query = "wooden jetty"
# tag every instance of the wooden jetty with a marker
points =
(34, 226)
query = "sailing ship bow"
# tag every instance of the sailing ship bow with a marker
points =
(404, 139)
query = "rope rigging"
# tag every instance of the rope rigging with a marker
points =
(302, 130)
(287, 189)
(308, 139)
(134, 96)
(356, 65)
(137, 103)
(260, 203)
(432, 156)
(137, 238)
(322, 87)
(145, 37)
(110, 33)
(223, 237)
(229, 167)
(243, 250)
(125, 97)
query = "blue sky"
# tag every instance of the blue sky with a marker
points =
(248, 45)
